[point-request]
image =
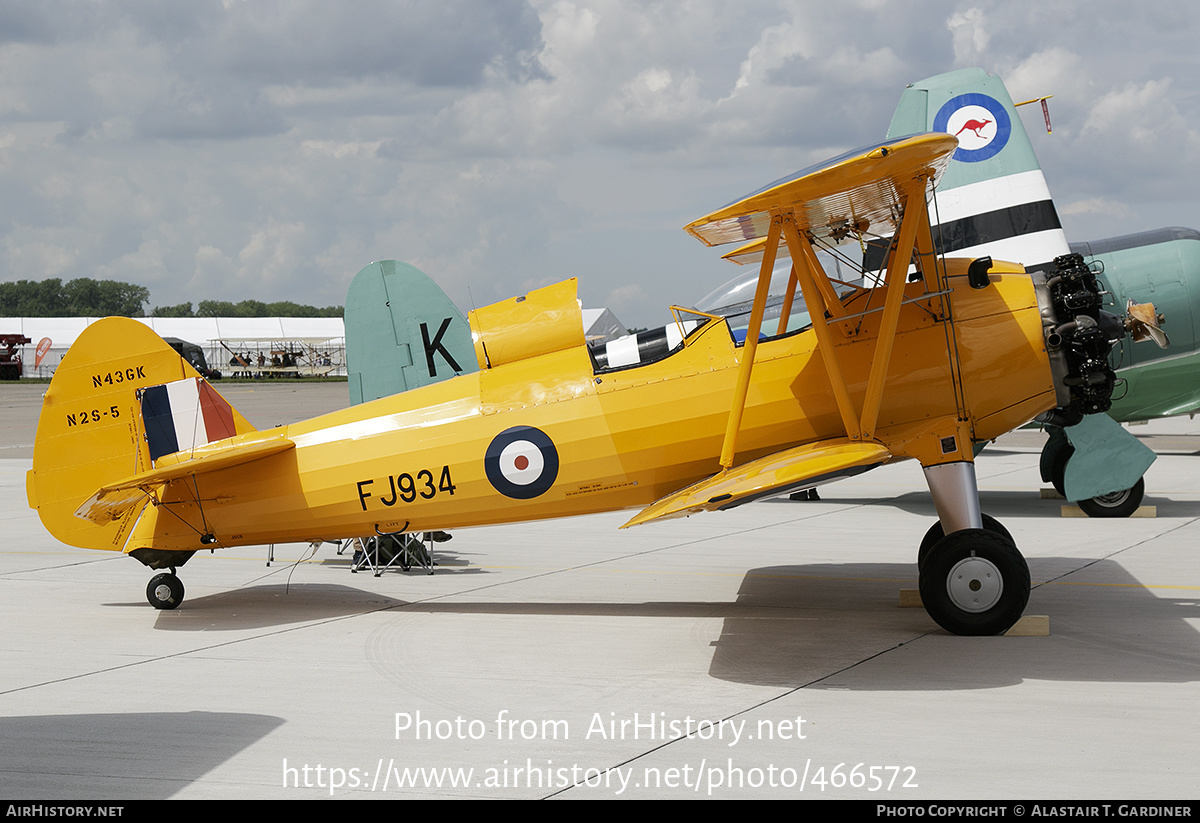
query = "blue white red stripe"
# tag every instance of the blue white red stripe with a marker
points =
(183, 415)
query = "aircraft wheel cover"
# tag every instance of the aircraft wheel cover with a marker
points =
(521, 463)
(975, 582)
(1059, 471)
(936, 533)
(1118, 504)
(165, 591)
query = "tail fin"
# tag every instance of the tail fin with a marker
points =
(103, 419)
(993, 199)
(402, 332)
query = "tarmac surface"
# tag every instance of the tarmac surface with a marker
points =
(754, 653)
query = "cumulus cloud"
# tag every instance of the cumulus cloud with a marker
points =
(449, 43)
(1096, 206)
(969, 29)
(267, 149)
(1138, 126)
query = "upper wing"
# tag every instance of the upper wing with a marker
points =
(837, 198)
(798, 468)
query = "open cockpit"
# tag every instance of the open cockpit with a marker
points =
(731, 302)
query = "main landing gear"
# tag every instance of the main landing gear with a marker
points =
(973, 581)
(165, 591)
(1122, 503)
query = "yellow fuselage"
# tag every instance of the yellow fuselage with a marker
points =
(624, 438)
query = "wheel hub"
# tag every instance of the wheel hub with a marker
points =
(974, 585)
(163, 592)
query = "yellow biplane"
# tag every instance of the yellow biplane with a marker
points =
(135, 453)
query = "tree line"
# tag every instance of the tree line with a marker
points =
(246, 308)
(85, 297)
(81, 297)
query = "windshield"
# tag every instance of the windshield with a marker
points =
(734, 299)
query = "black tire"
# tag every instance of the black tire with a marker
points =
(975, 582)
(1118, 504)
(936, 533)
(1058, 471)
(165, 591)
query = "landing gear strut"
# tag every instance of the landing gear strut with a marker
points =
(165, 591)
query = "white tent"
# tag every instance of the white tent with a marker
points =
(327, 333)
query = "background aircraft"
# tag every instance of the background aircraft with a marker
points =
(994, 200)
(402, 332)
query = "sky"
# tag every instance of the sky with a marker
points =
(268, 149)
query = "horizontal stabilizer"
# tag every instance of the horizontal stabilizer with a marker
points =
(110, 502)
(800, 468)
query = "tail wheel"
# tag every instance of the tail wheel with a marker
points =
(975, 582)
(165, 591)
(936, 533)
(1118, 504)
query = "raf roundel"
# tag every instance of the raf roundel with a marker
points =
(980, 123)
(521, 462)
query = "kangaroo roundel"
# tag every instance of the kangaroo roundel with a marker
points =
(981, 124)
(521, 462)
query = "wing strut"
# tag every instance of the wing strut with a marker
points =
(914, 216)
(808, 269)
(785, 311)
(824, 305)
(751, 344)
